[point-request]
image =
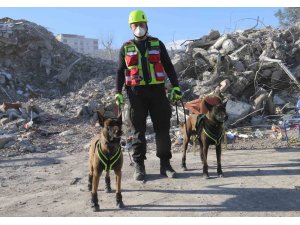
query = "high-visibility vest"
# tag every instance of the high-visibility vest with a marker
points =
(133, 59)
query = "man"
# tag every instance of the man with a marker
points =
(143, 65)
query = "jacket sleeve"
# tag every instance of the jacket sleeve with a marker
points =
(120, 79)
(168, 66)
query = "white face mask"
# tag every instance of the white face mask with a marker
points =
(139, 31)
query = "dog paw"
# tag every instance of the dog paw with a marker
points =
(184, 168)
(96, 208)
(89, 187)
(220, 175)
(108, 190)
(206, 176)
(120, 205)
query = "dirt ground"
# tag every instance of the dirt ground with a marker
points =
(257, 182)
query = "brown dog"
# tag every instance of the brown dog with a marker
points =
(105, 154)
(209, 130)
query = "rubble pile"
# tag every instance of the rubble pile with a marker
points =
(49, 90)
(61, 118)
(34, 64)
(253, 69)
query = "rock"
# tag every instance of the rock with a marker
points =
(257, 120)
(249, 75)
(266, 73)
(203, 42)
(239, 86)
(237, 110)
(92, 106)
(4, 139)
(206, 76)
(276, 45)
(277, 100)
(213, 34)
(228, 46)
(2, 79)
(4, 121)
(276, 75)
(27, 148)
(178, 64)
(24, 113)
(67, 132)
(258, 102)
(296, 72)
(199, 53)
(13, 114)
(241, 52)
(9, 144)
(219, 42)
(238, 66)
(224, 85)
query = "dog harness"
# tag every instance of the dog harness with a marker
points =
(216, 137)
(106, 162)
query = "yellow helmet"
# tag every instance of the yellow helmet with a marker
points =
(137, 16)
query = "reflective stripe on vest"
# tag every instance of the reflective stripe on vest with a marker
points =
(134, 73)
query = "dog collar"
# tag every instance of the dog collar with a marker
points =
(108, 163)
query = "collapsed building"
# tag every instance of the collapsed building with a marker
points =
(34, 64)
(45, 85)
(254, 69)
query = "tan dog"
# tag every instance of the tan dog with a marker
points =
(209, 131)
(105, 154)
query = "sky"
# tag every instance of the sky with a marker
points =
(165, 23)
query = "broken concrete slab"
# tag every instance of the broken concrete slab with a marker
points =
(6, 138)
(237, 110)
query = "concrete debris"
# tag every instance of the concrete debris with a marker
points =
(6, 138)
(34, 64)
(236, 65)
(237, 109)
(49, 90)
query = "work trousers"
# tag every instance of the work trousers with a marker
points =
(144, 100)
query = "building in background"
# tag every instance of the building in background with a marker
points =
(81, 44)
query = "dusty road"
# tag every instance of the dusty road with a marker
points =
(262, 182)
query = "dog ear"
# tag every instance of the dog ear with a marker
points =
(208, 106)
(101, 118)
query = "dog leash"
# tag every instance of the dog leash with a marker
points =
(176, 106)
(120, 112)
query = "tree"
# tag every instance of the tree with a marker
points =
(107, 44)
(288, 16)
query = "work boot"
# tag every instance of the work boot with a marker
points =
(166, 169)
(140, 172)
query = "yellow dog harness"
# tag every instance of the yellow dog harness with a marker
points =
(216, 137)
(106, 162)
